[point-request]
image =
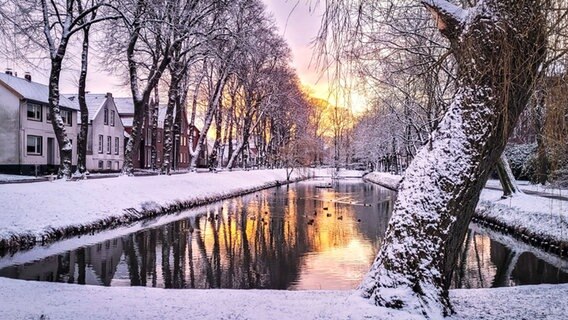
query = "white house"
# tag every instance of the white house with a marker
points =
(105, 138)
(27, 140)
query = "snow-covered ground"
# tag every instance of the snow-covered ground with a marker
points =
(32, 300)
(385, 179)
(28, 208)
(15, 177)
(541, 216)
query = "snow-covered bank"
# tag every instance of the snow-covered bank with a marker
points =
(43, 211)
(384, 179)
(536, 220)
(65, 301)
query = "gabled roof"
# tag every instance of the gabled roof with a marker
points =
(94, 102)
(125, 106)
(34, 91)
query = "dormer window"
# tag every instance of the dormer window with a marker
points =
(34, 111)
(105, 116)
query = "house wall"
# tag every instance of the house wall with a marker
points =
(9, 115)
(14, 131)
(44, 129)
(112, 161)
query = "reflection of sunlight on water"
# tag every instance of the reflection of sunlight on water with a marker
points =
(338, 268)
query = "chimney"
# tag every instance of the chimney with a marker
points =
(9, 72)
(108, 95)
(28, 76)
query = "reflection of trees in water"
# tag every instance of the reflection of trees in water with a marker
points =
(485, 263)
(248, 242)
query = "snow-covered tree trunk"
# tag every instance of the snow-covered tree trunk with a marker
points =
(506, 177)
(65, 147)
(212, 106)
(84, 128)
(499, 46)
(173, 95)
(213, 157)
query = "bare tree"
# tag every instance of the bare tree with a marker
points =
(56, 22)
(498, 61)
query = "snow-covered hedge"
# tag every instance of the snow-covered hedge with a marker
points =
(522, 160)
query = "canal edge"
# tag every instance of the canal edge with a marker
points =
(24, 241)
(546, 243)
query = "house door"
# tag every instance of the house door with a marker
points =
(51, 151)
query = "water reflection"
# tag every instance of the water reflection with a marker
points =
(298, 237)
(486, 263)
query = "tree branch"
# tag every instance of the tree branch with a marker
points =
(449, 17)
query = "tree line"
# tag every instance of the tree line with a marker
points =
(411, 76)
(222, 61)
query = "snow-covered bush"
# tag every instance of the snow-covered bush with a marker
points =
(522, 159)
(560, 177)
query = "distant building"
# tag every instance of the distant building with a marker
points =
(125, 107)
(27, 141)
(143, 160)
(105, 138)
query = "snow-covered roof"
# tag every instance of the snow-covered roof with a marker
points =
(124, 106)
(94, 103)
(29, 90)
(127, 121)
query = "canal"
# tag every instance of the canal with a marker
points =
(299, 237)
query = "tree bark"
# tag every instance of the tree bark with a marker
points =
(542, 163)
(84, 128)
(506, 177)
(65, 147)
(498, 60)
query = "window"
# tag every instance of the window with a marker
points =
(101, 143)
(109, 144)
(109, 165)
(116, 145)
(101, 163)
(118, 165)
(34, 111)
(106, 116)
(67, 118)
(112, 118)
(34, 145)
